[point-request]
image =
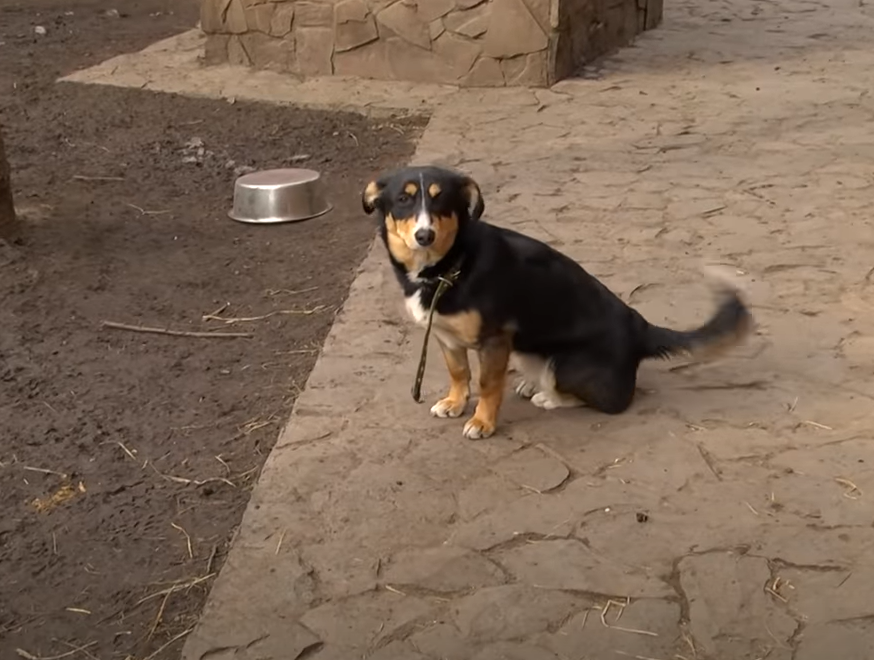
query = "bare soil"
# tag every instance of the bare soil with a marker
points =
(126, 459)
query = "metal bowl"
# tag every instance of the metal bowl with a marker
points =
(274, 196)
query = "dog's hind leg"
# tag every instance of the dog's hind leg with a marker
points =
(603, 386)
(533, 369)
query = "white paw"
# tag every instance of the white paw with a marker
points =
(475, 429)
(545, 400)
(525, 389)
(448, 408)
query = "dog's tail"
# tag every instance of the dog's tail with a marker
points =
(728, 327)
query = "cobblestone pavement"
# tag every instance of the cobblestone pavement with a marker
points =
(727, 515)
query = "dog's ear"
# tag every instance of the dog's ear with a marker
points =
(474, 197)
(371, 195)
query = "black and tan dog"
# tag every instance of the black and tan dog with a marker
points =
(573, 340)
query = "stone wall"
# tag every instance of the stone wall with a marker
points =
(475, 43)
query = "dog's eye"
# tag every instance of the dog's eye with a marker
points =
(403, 198)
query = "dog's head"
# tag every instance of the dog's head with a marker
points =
(424, 210)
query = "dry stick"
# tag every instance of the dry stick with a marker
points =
(187, 539)
(30, 656)
(174, 333)
(159, 616)
(80, 177)
(175, 639)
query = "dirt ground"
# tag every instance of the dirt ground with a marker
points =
(126, 459)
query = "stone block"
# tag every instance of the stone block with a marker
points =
(654, 11)
(568, 564)
(237, 54)
(436, 28)
(354, 26)
(409, 62)
(533, 469)
(268, 52)
(472, 23)
(315, 45)
(405, 23)
(513, 611)
(282, 20)
(235, 18)
(513, 30)
(731, 615)
(542, 11)
(368, 61)
(313, 14)
(529, 70)
(212, 14)
(458, 54)
(442, 569)
(215, 50)
(486, 72)
(429, 10)
(258, 17)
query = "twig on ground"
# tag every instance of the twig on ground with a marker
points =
(30, 656)
(196, 482)
(176, 587)
(632, 655)
(159, 616)
(388, 587)
(281, 539)
(852, 488)
(144, 211)
(211, 560)
(168, 644)
(82, 177)
(187, 539)
(230, 320)
(174, 333)
(290, 292)
(44, 471)
(622, 607)
(817, 425)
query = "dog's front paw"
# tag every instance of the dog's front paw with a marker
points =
(525, 389)
(477, 428)
(449, 407)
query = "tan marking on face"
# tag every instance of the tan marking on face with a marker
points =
(494, 358)
(411, 189)
(446, 228)
(434, 189)
(402, 240)
(459, 379)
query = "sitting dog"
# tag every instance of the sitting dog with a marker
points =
(501, 293)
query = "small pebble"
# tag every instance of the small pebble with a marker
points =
(641, 517)
(40, 30)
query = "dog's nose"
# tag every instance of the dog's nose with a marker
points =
(425, 237)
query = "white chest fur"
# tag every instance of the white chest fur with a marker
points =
(416, 309)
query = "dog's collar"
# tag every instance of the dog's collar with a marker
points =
(444, 282)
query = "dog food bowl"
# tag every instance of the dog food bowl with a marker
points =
(274, 196)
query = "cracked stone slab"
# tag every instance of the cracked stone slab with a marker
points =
(534, 469)
(568, 564)
(731, 614)
(363, 620)
(653, 622)
(825, 595)
(850, 640)
(512, 612)
(442, 569)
